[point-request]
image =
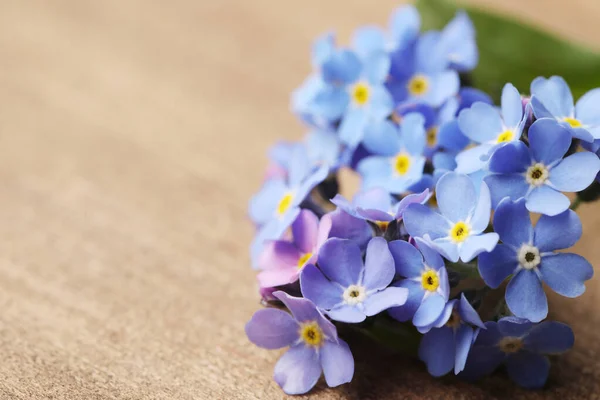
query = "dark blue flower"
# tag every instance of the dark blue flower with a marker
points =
(521, 346)
(539, 173)
(529, 255)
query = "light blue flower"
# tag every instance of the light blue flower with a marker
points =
(447, 345)
(528, 255)
(490, 128)
(521, 346)
(459, 231)
(401, 162)
(426, 281)
(539, 173)
(552, 98)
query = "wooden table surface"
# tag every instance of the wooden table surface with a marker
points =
(132, 134)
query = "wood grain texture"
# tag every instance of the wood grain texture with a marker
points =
(132, 134)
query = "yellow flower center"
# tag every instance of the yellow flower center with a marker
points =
(575, 123)
(432, 136)
(304, 259)
(505, 136)
(418, 85)
(459, 232)
(430, 280)
(510, 344)
(402, 163)
(383, 225)
(361, 93)
(284, 203)
(537, 174)
(311, 334)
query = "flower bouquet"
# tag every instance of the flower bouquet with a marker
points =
(436, 254)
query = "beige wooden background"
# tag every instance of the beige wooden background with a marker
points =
(132, 133)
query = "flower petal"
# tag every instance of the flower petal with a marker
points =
(339, 224)
(467, 312)
(575, 172)
(437, 350)
(496, 266)
(513, 157)
(565, 273)
(376, 67)
(513, 326)
(341, 261)
(304, 231)
(429, 310)
(368, 39)
(464, 341)
(337, 362)
(548, 140)
(271, 328)
(446, 248)
(512, 107)
(475, 245)
(480, 218)
(481, 123)
(382, 138)
(318, 289)
(277, 276)
(545, 200)
(559, 232)
(554, 94)
(420, 220)
(456, 196)
(384, 299)
(412, 133)
(512, 223)
(298, 370)
(432, 257)
(586, 109)
(407, 259)
(525, 296)
(379, 265)
(346, 313)
(415, 297)
(528, 370)
(353, 126)
(549, 337)
(482, 361)
(263, 204)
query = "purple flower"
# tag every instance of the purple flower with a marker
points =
(528, 255)
(426, 282)
(313, 341)
(520, 345)
(447, 345)
(539, 173)
(346, 288)
(459, 230)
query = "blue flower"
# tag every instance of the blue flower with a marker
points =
(315, 347)
(426, 281)
(459, 230)
(552, 98)
(539, 173)
(528, 255)
(346, 288)
(483, 124)
(457, 43)
(520, 345)
(402, 161)
(447, 346)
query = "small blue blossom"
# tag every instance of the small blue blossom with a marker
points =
(314, 346)
(529, 255)
(489, 128)
(521, 346)
(539, 173)
(459, 231)
(401, 162)
(346, 288)
(447, 345)
(426, 279)
(552, 98)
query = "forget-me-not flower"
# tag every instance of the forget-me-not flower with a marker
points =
(539, 173)
(458, 232)
(314, 346)
(528, 254)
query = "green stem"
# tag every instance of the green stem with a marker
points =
(576, 203)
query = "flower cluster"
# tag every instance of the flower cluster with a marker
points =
(417, 246)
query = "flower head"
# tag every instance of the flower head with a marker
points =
(426, 280)
(458, 232)
(539, 173)
(448, 344)
(528, 255)
(521, 346)
(314, 345)
(346, 288)
(552, 98)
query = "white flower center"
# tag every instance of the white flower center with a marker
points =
(529, 256)
(537, 174)
(354, 294)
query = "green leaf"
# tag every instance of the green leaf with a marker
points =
(510, 51)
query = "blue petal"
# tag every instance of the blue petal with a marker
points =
(382, 138)
(376, 171)
(347, 313)
(429, 57)
(420, 220)
(559, 232)
(323, 148)
(405, 23)
(384, 299)
(429, 310)
(432, 257)
(528, 370)
(480, 219)
(271, 328)
(490, 336)
(341, 261)
(373, 199)
(512, 186)
(565, 273)
(513, 326)
(340, 224)
(464, 341)
(408, 260)
(482, 361)
(470, 160)
(376, 67)
(475, 245)
(511, 158)
(415, 297)
(379, 265)
(437, 350)
(545, 200)
(412, 132)
(353, 126)
(263, 204)
(446, 248)
(456, 196)
(496, 266)
(381, 103)
(525, 296)
(467, 312)
(300, 167)
(337, 362)
(548, 140)
(318, 289)
(586, 109)
(272, 230)
(512, 106)
(512, 223)
(451, 137)
(575, 172)
(323, 48)
(444, 86)
(298, 370)
(458, 42)
(304, 310)
(342, 66)
(549, 337)
(554, 94)
(539, 110)
(329, 103)
(481, 123)
(469, 96)
(367, 40)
